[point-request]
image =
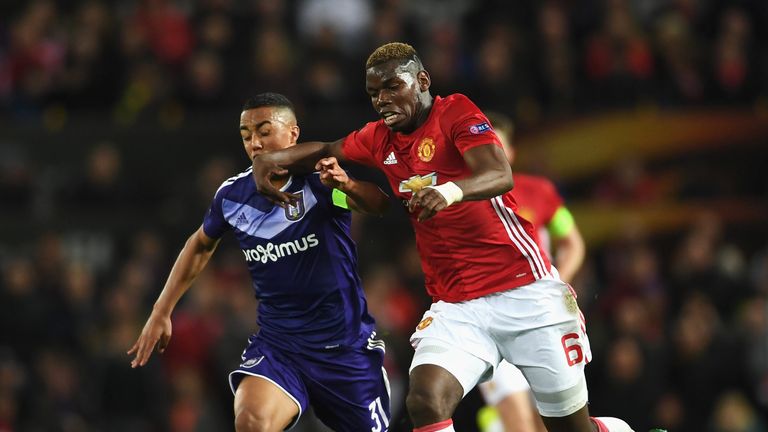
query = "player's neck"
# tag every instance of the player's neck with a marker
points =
(280, 181)
(423, 114)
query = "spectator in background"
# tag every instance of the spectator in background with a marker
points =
(36, 56)
(497, 68)
(102, 183)
(340, 23)
(555, 69)
(679, 78)
(734, 71)
(618, 61)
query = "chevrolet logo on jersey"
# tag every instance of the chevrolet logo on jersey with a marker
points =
(294, 210)
(417, 183)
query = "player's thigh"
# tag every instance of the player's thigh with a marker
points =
(259, 398)
(268, 385)
(553, 350)
(450, 337)
(441, 368)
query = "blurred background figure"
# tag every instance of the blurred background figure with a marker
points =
(651, 119)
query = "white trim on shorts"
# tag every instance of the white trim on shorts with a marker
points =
(232, 387)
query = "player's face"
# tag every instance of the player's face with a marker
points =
(267, 129)
(396, 91)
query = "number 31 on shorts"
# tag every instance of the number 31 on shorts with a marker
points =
(573, 352)
(378, 415)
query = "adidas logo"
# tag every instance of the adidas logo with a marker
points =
(391, 159)
(241, 220)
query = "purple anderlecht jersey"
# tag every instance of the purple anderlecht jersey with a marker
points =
(302, 260)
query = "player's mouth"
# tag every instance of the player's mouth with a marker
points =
(391, 118)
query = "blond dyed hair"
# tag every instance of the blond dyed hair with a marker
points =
(392, 51)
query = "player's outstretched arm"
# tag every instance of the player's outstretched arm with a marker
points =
(491, 176)
(362, 196)
(157, 331)
(298, 159)
(568, 245)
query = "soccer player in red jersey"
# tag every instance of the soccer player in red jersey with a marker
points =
(495, 293)
(508, 393)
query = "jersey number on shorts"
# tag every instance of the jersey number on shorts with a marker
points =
(573, 353)
(378, 415)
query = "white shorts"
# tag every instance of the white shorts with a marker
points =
(537, 327)
(506, 380)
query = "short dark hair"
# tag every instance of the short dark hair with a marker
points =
(393, 51)
(501, 123)
(268, 99)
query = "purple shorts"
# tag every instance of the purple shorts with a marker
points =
(346, 386)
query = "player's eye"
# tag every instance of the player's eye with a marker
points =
(264, 132)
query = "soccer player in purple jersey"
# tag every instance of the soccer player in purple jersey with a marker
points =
(316, 341)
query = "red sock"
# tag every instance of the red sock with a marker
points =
(600, 426)
(434, 427)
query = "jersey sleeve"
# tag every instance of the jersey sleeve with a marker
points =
(549, 197)
(336, 198)
(561, 223)
(358, 145)
(556, 216)
(214, 223)
(467, 126)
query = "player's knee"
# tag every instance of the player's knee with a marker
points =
(254, 421)
(428, 405)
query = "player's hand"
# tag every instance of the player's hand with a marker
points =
(331, 173)
(263, 172)
(157, 331)
(429, 200)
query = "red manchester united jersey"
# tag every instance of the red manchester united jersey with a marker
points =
(471, 248)
(537, 201)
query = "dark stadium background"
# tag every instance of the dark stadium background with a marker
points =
(118, 120)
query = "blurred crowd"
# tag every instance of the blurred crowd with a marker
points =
(535, 59)
(678, 320)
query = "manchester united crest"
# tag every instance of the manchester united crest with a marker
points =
(426, 150)
(294, 210)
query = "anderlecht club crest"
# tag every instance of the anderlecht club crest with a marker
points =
(294, 210)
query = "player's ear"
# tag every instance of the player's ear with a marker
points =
(295, 132)
(424, 80)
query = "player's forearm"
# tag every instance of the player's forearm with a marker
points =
(569, 257)
(298, 159)
(367, 197)
(191, 261)
(485, 184)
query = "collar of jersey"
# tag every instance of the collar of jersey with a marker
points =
(287, 184)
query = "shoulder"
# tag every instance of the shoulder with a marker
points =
(456, 101)
(235, 183)
(539, 183)
(456, 108)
